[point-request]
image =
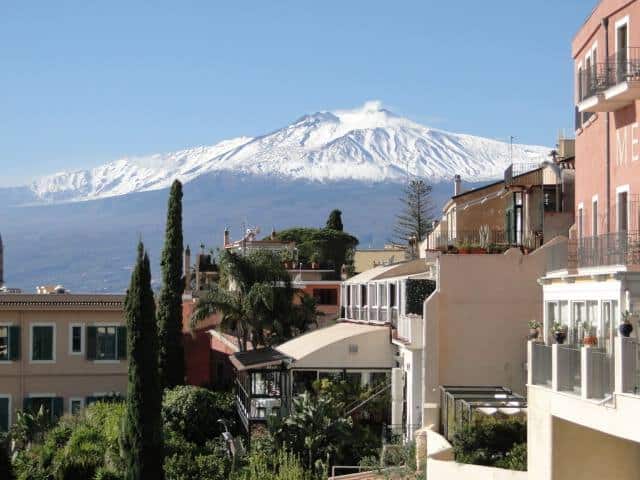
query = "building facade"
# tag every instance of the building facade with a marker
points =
(583, 375)
(60, 351)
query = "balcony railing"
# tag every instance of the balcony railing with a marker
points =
(621, 248)
(470, 237)
(620, 67)
(410, 330)
(523, 173)
(542, 358)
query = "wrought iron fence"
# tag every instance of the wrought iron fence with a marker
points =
(569, 369)
(523, 172)
(620, 248)
(474, 238)
(622, 66)
(541, 364)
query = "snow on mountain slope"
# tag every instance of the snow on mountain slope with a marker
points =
(367, 144)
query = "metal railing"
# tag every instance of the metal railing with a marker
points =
(523, 172)
(631, 361)
(570, 370)
(542, 364)
(599, 379)
(620, 67)
(470, 237)
(620, 248)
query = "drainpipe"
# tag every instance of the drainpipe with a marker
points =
(607, 140)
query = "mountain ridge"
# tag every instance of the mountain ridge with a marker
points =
(367, 144)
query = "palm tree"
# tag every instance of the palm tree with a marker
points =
(254, 298)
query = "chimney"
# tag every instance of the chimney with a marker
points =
(186, 268)
(226, 237)
(457, 185)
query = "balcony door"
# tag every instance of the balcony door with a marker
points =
(622, 48)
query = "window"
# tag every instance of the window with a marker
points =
(5, 413)
(266, 384)
(392, 294)
(42, 343)
(4, 343)
(383, 295)
(348, 295)
(579, 221)
(325, 296)
(549, 199)
(363, 295)
(622, 45)
(623, 216)
(303, 380)
(76, 340)
(75, 405)
(106, 342)
(51, 405)
(594, 217)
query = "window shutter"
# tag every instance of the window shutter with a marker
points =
(14, 343)
(4, 414)
(122, 343)
(91, 342)
(57, 405)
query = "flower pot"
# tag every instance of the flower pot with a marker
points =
(464, 251)
(625, 329)
(314, 265)
(533, 334)
(590, 341)
(478, 250)
(560, 337)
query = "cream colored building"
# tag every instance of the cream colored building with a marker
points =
(60, 351)
(366, 259)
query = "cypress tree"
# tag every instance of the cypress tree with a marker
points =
(334, 222)
(141, 439)
(171, 355)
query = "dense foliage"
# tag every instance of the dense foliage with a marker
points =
(142, 439)
(171, 351)
(194, 413)
(255, 298)
(492, 442)
(334, 222)
(6, 469)
(417, 293)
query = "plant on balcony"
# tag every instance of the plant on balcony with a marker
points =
(287, 258)
(589, 339)
(625, 328)
(315, 260)
(559, 332)
(464, 247)
(534, 329)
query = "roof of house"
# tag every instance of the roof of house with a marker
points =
(62, 301)
(410, 267)
(306, 344)
(261, 357)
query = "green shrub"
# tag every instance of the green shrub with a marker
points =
(107, 474)
(515, 459)
(193, 412)
(417, 293)
(487, 441)
(185, 460)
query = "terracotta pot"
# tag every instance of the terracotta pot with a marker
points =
(464, 251)
(533, 334)
(590, 341)
(478, 251)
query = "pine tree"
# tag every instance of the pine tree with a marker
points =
(171, 355)
(334, 222)
(415, 219)
(141, 438)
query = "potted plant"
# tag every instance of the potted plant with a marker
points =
(315, 259)
(476, 248)
(464, 248)
(589, 339)
(534, 329)
(287, 258)
(625, 328)
(559, 332)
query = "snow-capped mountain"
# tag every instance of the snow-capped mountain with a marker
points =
(367, 144)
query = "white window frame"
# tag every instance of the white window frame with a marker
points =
(595, 229)
(82, 338)
(619, 190)
(76, 399)
(618, 25)
(54, 346)
(8, 325)
(10, 406)
(579, 91)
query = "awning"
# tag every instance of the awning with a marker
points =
(259, 358)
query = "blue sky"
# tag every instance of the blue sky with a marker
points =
(83, 82)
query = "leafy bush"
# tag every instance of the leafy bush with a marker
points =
(281, 466)
(187, 461)
(515, 459)
(193, 412)
(489, 441)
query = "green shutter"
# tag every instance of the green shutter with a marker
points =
(91, 342)
(4, 414)
(57, 407)
(122, 343)
(14, 343)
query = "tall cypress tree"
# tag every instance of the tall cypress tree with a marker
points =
(141, 438)
(171, 357)
(334, 222)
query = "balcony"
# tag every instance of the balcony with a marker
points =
(409, 332)
(612, 249)
(523, 175)
(586, 372)
(609, 86)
